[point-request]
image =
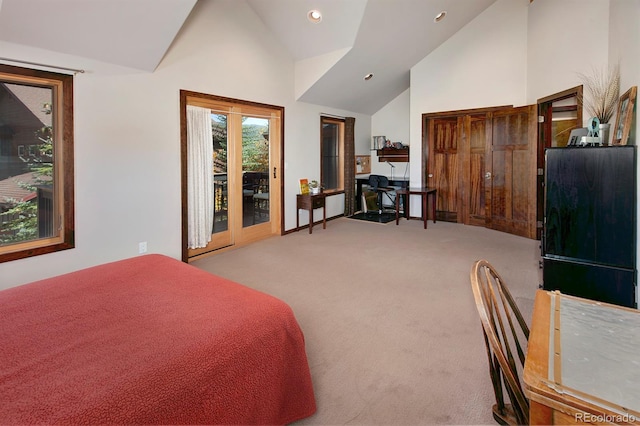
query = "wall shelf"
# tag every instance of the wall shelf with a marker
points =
(396, 155)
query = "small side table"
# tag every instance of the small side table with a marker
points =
(311, 202)
(426, 193)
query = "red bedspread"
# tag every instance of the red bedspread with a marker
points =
(149, 340)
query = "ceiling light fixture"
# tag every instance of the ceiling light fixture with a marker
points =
(440, 16)
(314, 16)
(368, 76)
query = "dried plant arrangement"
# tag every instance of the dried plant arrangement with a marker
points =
(602, 90)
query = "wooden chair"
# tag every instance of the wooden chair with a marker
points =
(503, 337)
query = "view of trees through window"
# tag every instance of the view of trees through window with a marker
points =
(255, 144)
(26, 163)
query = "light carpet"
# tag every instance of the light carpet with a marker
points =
(391, 328)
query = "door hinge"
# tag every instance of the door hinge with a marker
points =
(541, 119)
(540, 172)
(539, 224)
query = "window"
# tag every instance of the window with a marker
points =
(332, 154)
(36, 190)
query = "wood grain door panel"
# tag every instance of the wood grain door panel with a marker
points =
(443, 166)
(511, 193)
(475, 197)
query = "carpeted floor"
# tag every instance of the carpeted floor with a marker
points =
(392, 332)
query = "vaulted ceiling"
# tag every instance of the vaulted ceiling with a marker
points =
(358, 37)
(354, 38)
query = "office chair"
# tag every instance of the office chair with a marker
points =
(380, 185)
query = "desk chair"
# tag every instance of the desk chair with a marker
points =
(505, 331)
(380, 185)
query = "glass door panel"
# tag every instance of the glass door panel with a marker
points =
(220, 181)
(255, 171)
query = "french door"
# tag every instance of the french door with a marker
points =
(246, 140)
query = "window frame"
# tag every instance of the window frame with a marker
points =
(340, 122)
(63, 155)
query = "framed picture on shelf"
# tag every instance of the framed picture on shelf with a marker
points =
(624, 117)
(304, 186)
(379, 142)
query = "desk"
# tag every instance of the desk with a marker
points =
(582, 362)
(311, 202)
(425, 192)
(364, 179)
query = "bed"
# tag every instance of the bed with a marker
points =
(149, 340)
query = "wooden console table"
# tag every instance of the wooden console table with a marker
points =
(310, 202)
(425, 193)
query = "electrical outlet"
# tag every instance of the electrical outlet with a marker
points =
(142, 247)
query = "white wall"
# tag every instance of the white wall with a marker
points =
(391, 121)
(557, 48)
(127, 137)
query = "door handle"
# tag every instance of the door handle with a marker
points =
(274, 172)
(487, 175)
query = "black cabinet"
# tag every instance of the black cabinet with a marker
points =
(589, 239)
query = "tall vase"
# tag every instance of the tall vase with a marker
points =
(604, 133)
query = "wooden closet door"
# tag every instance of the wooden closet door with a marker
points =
(511, 179)
(476, 137)
(443, 166)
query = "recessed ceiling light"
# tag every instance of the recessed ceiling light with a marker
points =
(440, 16)
(314, 16)
(368, 76)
